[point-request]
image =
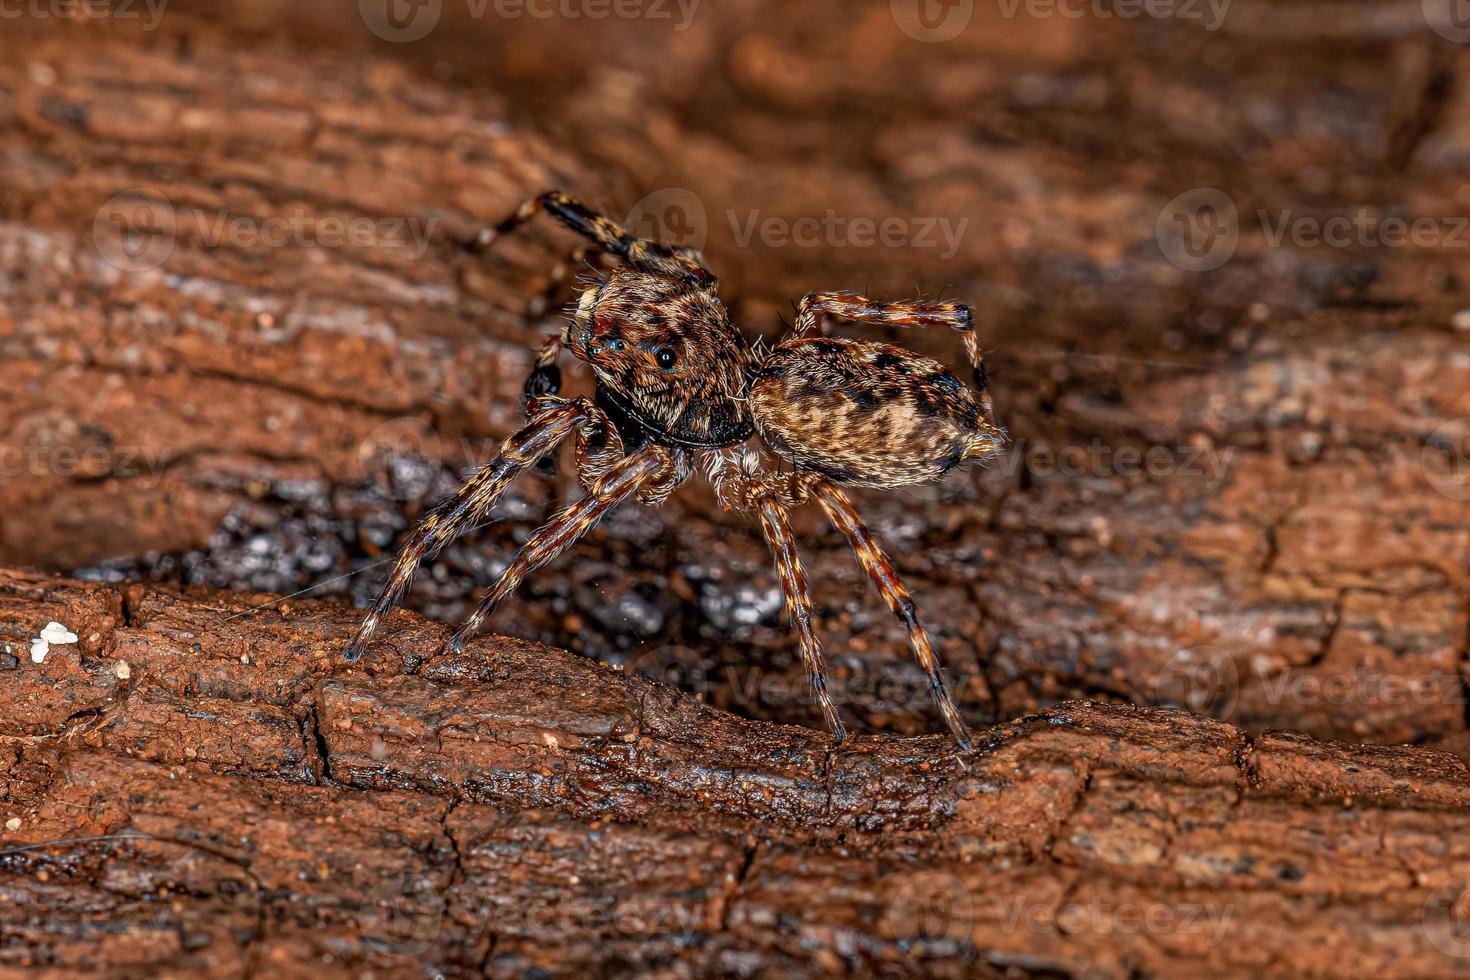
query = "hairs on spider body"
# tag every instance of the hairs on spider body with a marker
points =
(674, 378)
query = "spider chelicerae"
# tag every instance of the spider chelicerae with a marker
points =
(677, 387)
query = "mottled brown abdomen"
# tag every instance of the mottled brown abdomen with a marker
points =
(867, 414)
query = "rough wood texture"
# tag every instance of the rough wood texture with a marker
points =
(241, 804)
(1300, 559)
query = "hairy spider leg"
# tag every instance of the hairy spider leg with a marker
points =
(776, 526)
(903, 313)
(545, 376)
(880, 571)
(607, 235)
(552, 421)
(616, 485)
(561, 273)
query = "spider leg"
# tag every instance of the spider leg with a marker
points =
(741, 485)
(616, 485)
(545, 376)
(599, 448)
(905, 313)
(561, 274)
(776, 526)
(451, 517)
(880, 571)
(607, 235)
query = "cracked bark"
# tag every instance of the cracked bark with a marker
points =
(516, 807)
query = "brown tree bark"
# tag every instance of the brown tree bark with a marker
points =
(200, 785)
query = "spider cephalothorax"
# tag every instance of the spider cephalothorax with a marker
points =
(676, 379)
(664, 352)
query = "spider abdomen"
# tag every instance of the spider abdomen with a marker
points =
(867, 414)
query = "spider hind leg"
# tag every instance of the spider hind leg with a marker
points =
(905, 313)
(880, 571)
(776, 527)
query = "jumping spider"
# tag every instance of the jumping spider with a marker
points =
(677, 382)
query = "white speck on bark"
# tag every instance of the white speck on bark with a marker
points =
(58, 634)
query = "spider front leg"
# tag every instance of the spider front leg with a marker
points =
(621, 481)
(553, 292)
(561, 274)
(606, 235)
(905, 313)
(545, 376)
(550, 423)
(885, 580)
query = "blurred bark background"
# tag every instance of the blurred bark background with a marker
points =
(1242, 490)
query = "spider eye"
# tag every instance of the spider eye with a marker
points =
(666, 357)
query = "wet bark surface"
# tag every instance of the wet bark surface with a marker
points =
(1242, 491)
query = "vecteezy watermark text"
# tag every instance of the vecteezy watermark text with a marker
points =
(136, 230)
(1200, 229)
(1209, 13)
(936, 906)
(405, 21)
(1101, 459)
(677, 216)
(1208, 681)
(153, 10)
(935, 21)
(39, 459)
(833, 230)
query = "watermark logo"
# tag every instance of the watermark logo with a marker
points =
(404, 455)
(672, 215)
(1209, 13)
(930, 907)
(400, 21)
(401, 918)
(1445, 918)
(1445, 459)
(679, 12)
(1100, 916)
(1450, 19)
(932, 21)
(1097, 458)
(676, 666)
(832, 230)
(135, 231)
(1203, 680)
(1198, 230)
(677, 216)
(92, 457)
(405, 21)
